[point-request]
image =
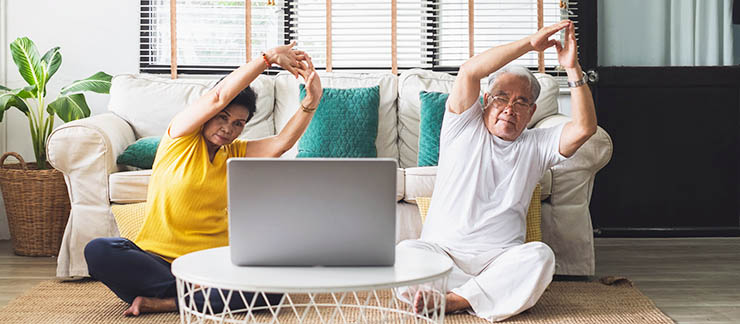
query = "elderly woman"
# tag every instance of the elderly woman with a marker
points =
(186, 201)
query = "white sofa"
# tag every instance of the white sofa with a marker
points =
(140, 105)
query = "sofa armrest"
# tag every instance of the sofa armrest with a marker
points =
(566, 219)
(85, 151)
(593, 155)
(73, 144)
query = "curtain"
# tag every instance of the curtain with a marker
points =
(666, 33)
(701, 32)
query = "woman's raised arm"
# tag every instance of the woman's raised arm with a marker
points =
(216, 99)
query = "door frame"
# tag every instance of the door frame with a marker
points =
(587, 29)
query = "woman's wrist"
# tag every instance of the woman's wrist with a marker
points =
(308, 107)
(266, 60)
(270, 56)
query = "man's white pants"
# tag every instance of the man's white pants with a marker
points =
(498, 284)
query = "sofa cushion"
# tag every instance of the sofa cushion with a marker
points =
(129, 218)
(345, 124)
(400, 184)
(148, 103)
(420, 183)
(411, 82)
(286, 104)
(129, 186)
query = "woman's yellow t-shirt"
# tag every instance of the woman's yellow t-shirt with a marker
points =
(186, 201)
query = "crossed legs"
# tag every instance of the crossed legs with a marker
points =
(497, 285)
(145, 280)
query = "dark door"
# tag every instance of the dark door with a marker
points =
(675, 170)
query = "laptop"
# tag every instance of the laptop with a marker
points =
(312, 212)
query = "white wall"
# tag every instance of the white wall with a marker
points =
(93, 35)
(4, 234)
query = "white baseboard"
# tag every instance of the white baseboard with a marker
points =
(4, 232)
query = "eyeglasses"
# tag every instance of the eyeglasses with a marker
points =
(503, 101)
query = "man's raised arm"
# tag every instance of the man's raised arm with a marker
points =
(579, 130)
(466, 89)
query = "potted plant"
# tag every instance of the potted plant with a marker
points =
(36, 199)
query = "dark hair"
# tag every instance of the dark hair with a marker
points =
(247, 98)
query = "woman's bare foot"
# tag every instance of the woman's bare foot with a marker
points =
(143, 305)
(453, 302)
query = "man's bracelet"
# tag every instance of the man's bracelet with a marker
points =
(578, 83)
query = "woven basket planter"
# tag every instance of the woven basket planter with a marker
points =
(37, 205)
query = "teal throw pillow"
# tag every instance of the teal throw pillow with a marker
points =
(430, 124)
(344, 125)
(140, 154)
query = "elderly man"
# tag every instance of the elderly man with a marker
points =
(489, 165)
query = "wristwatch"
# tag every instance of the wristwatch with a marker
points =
(578, 83)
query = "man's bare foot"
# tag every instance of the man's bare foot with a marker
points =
(453, 302)
(143, 305)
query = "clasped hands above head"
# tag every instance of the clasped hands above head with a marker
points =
(298, 62)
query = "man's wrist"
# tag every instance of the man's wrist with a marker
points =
(576, 77)
(528, 47)
(574, 73)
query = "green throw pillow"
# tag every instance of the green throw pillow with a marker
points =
(430, 124)
(344, 125)
(140, 154)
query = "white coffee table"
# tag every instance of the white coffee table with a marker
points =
(314, 294)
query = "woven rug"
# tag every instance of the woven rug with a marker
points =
(90, 302)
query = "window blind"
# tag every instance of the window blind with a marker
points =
(361, 32)
(495, 22)
(210, 35)
(344, 34)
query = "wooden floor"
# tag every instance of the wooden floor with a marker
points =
(693, 280)
(18, 274)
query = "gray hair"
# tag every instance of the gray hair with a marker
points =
(517, 70)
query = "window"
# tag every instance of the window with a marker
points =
(496, 22)
(210, 34)
(434, 34)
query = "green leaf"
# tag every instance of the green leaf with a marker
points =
(99, 82)
(52, 59)
(8, 100)
(4, 88)
(26, 57)
(70, 107)
(25, 92)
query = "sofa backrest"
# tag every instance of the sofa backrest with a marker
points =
(286, 103)
(148, 103)
(411, 82)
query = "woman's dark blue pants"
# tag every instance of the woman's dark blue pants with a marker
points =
(131, 272)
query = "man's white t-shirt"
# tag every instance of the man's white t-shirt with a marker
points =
(484, 183)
